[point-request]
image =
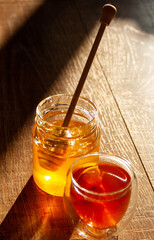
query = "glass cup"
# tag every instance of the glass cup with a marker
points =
(100, 195)
(55, 147)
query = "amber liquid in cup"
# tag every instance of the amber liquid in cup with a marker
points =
(101, 211)
(100, 195)
(55, 148)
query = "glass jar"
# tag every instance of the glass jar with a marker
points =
(55, 147)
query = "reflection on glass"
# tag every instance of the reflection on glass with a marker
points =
(100, 195)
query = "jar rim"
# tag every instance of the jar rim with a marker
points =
(104, 157)
(39, 113)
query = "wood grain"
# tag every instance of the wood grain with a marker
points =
(45, 54)
(126, 57)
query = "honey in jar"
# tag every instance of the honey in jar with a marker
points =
(55, 147)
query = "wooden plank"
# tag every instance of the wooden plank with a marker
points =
(36, 215)
(13, 16)
(37, 62)
(30, 63)
(126, 56)
(115, 141)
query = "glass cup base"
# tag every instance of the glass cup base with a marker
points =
(91, 233)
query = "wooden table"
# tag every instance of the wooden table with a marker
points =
(43, 49)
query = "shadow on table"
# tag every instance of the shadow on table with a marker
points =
(30, 64)
(32, 60)
(36, 215)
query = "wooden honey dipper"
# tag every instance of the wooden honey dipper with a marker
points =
(108, 13)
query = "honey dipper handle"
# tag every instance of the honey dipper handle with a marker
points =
(108, 13)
